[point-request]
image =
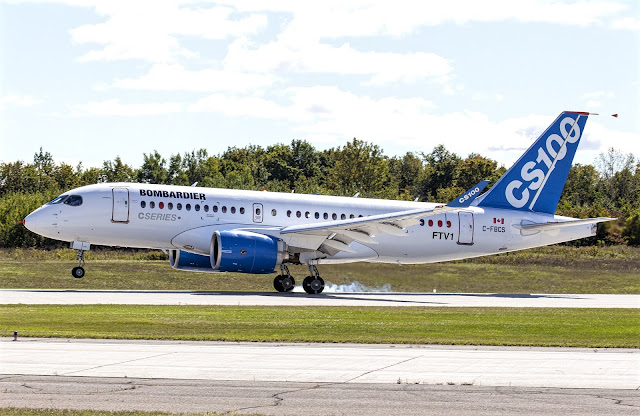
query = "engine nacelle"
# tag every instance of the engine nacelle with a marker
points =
(183, 260)
(246, 252)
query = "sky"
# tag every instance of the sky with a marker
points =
(91, 80)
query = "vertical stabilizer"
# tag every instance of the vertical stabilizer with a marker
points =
(536, 180)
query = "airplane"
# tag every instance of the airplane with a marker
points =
(225, 230)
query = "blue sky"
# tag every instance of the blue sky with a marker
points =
(91, 80)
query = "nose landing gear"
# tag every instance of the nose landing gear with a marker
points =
(80, 247)
(78, 272)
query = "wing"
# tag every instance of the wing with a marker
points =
(335, 236)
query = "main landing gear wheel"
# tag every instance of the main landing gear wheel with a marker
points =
(77, 272)
(313, 284)
(284, 283)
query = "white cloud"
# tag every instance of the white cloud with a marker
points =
(150, 30)
(18, 101)
(382, 67)
(113, 107)
(167, 77)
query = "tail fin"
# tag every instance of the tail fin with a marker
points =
(535, 181)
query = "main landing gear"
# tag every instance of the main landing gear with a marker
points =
(78, 272)
(284, 282)
(313, 284)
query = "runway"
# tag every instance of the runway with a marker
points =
(317, 378)
(122, 297)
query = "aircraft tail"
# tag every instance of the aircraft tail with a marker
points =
(536, 180)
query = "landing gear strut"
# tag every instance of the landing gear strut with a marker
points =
(78, 272)
(313, 284)
(284, 282)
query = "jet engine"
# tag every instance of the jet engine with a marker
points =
(183, 260)
(246, 252)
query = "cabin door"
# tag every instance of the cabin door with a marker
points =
(120, 205)
(465, 234)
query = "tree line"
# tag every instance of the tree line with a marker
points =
(609, 187)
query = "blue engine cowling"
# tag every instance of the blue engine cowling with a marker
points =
(245, 252)
(183, 260)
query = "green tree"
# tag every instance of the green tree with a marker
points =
(153, 169)
(359, 167)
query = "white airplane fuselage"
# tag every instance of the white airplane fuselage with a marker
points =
(121, 214)
(222, 230)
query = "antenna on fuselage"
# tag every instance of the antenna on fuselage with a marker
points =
(194, 184)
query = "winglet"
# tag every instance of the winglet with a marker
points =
(467, 198)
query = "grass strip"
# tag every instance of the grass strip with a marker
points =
(563, 327)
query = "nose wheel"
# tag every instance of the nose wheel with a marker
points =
(313, 284)
(78, 272)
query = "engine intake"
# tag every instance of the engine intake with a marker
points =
(246, 252)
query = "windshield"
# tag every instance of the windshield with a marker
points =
(73, 200)
(58, 200)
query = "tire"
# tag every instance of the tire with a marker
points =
(288, 283)
(313, 285)
(277, 283)
(77, 272)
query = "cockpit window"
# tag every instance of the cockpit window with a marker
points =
(58, 200)
(73, 200)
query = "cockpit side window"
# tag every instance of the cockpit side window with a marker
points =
(58, 200)
(73, 200)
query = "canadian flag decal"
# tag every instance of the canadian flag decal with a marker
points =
(498, 220)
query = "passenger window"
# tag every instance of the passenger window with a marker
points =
(298, 214)
(274, 212)
(170, 205)
(187, 207)
(352, 216)
(206, 208)
(317, 215)
(334, 216)
(241, 210)
(343, 217)
(289, 213)
(224, 209)
(74, 200)
(197, 207)
(142, 204)
(179, 206)
(325, 216)
(233, 210)
(215, 208)
(152, 204)
(161, 205)
(307, 214)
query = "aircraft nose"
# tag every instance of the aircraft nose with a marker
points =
(39, 221)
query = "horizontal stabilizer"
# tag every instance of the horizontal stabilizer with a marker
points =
(465, 200)
(548, 226)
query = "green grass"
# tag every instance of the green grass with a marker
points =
(415, 325)
(556, 269)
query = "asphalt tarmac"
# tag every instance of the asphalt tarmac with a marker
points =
(303, 379)
(124, 297)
